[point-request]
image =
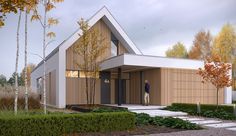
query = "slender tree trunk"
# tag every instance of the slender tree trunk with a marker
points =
(25, 72)
(16, 67)
(86, 89)
(94, 88)
(44, 57)
(217, 98)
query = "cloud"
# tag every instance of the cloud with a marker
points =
(154, 25)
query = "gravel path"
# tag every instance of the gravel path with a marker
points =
(205, 132)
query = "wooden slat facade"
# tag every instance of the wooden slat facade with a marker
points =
(75, 93)
(185, 86)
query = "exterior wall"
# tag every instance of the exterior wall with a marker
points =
(51, 87)
(72, 58)
(135, 90)
(76, 94)
(51, 66)
(154, 78)
(172, 86)
(184, 86)
(74, 87)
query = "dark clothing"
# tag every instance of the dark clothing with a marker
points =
(147, 87)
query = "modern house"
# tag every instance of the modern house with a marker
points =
(123, 71)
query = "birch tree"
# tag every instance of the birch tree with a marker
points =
(31, 5)
(16, 66)
(46, 22)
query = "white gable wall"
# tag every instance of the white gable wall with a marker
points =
(51, 64)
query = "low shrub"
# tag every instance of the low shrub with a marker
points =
(223, 111)
(175, 123)
(145, 119)
(61, 124)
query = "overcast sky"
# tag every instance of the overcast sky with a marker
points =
(153, 25)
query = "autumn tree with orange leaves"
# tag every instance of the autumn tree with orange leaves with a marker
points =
(217, 73)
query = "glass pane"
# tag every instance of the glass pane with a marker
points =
(113, 49)
(72, 74)
(89, 74)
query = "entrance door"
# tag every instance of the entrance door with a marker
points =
(105, 88)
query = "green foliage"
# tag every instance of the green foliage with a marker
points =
(207, 110)
(145, 119)
(7, 103)
(11, 80)
(177, 51)
(175, 123)
(108, 109)
(219, 114)
(3, 80)
(61, 124)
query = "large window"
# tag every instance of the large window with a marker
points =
(80, 74)
(89, 74)
(114, 46)
(72, 73)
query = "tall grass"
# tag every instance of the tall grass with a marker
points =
(7, 94)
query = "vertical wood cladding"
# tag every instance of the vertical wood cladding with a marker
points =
(185, 86)
(75, 91)
(51, 87)
(72, 58)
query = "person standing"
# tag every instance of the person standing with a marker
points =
(146, 94)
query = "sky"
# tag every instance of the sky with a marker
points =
(153, 25)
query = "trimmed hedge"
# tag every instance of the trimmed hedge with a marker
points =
(207, 110)
(56, 125)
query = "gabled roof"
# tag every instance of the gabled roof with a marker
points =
(112, 24)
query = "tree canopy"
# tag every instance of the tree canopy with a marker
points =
(178, 51)
(225, 43)
(201, 45)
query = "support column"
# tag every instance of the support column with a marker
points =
(119, 87)
(141, 87)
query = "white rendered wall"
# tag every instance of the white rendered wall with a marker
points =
(228, 92)
(51, 64)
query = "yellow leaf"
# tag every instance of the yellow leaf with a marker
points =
(51, 34)
(35, 17)
(49, 6)
(52, 21)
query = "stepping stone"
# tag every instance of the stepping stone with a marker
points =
(221, 125)
(232, 129)
(162, 113)
(181, 117)
(206, 122)
(193, 119)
